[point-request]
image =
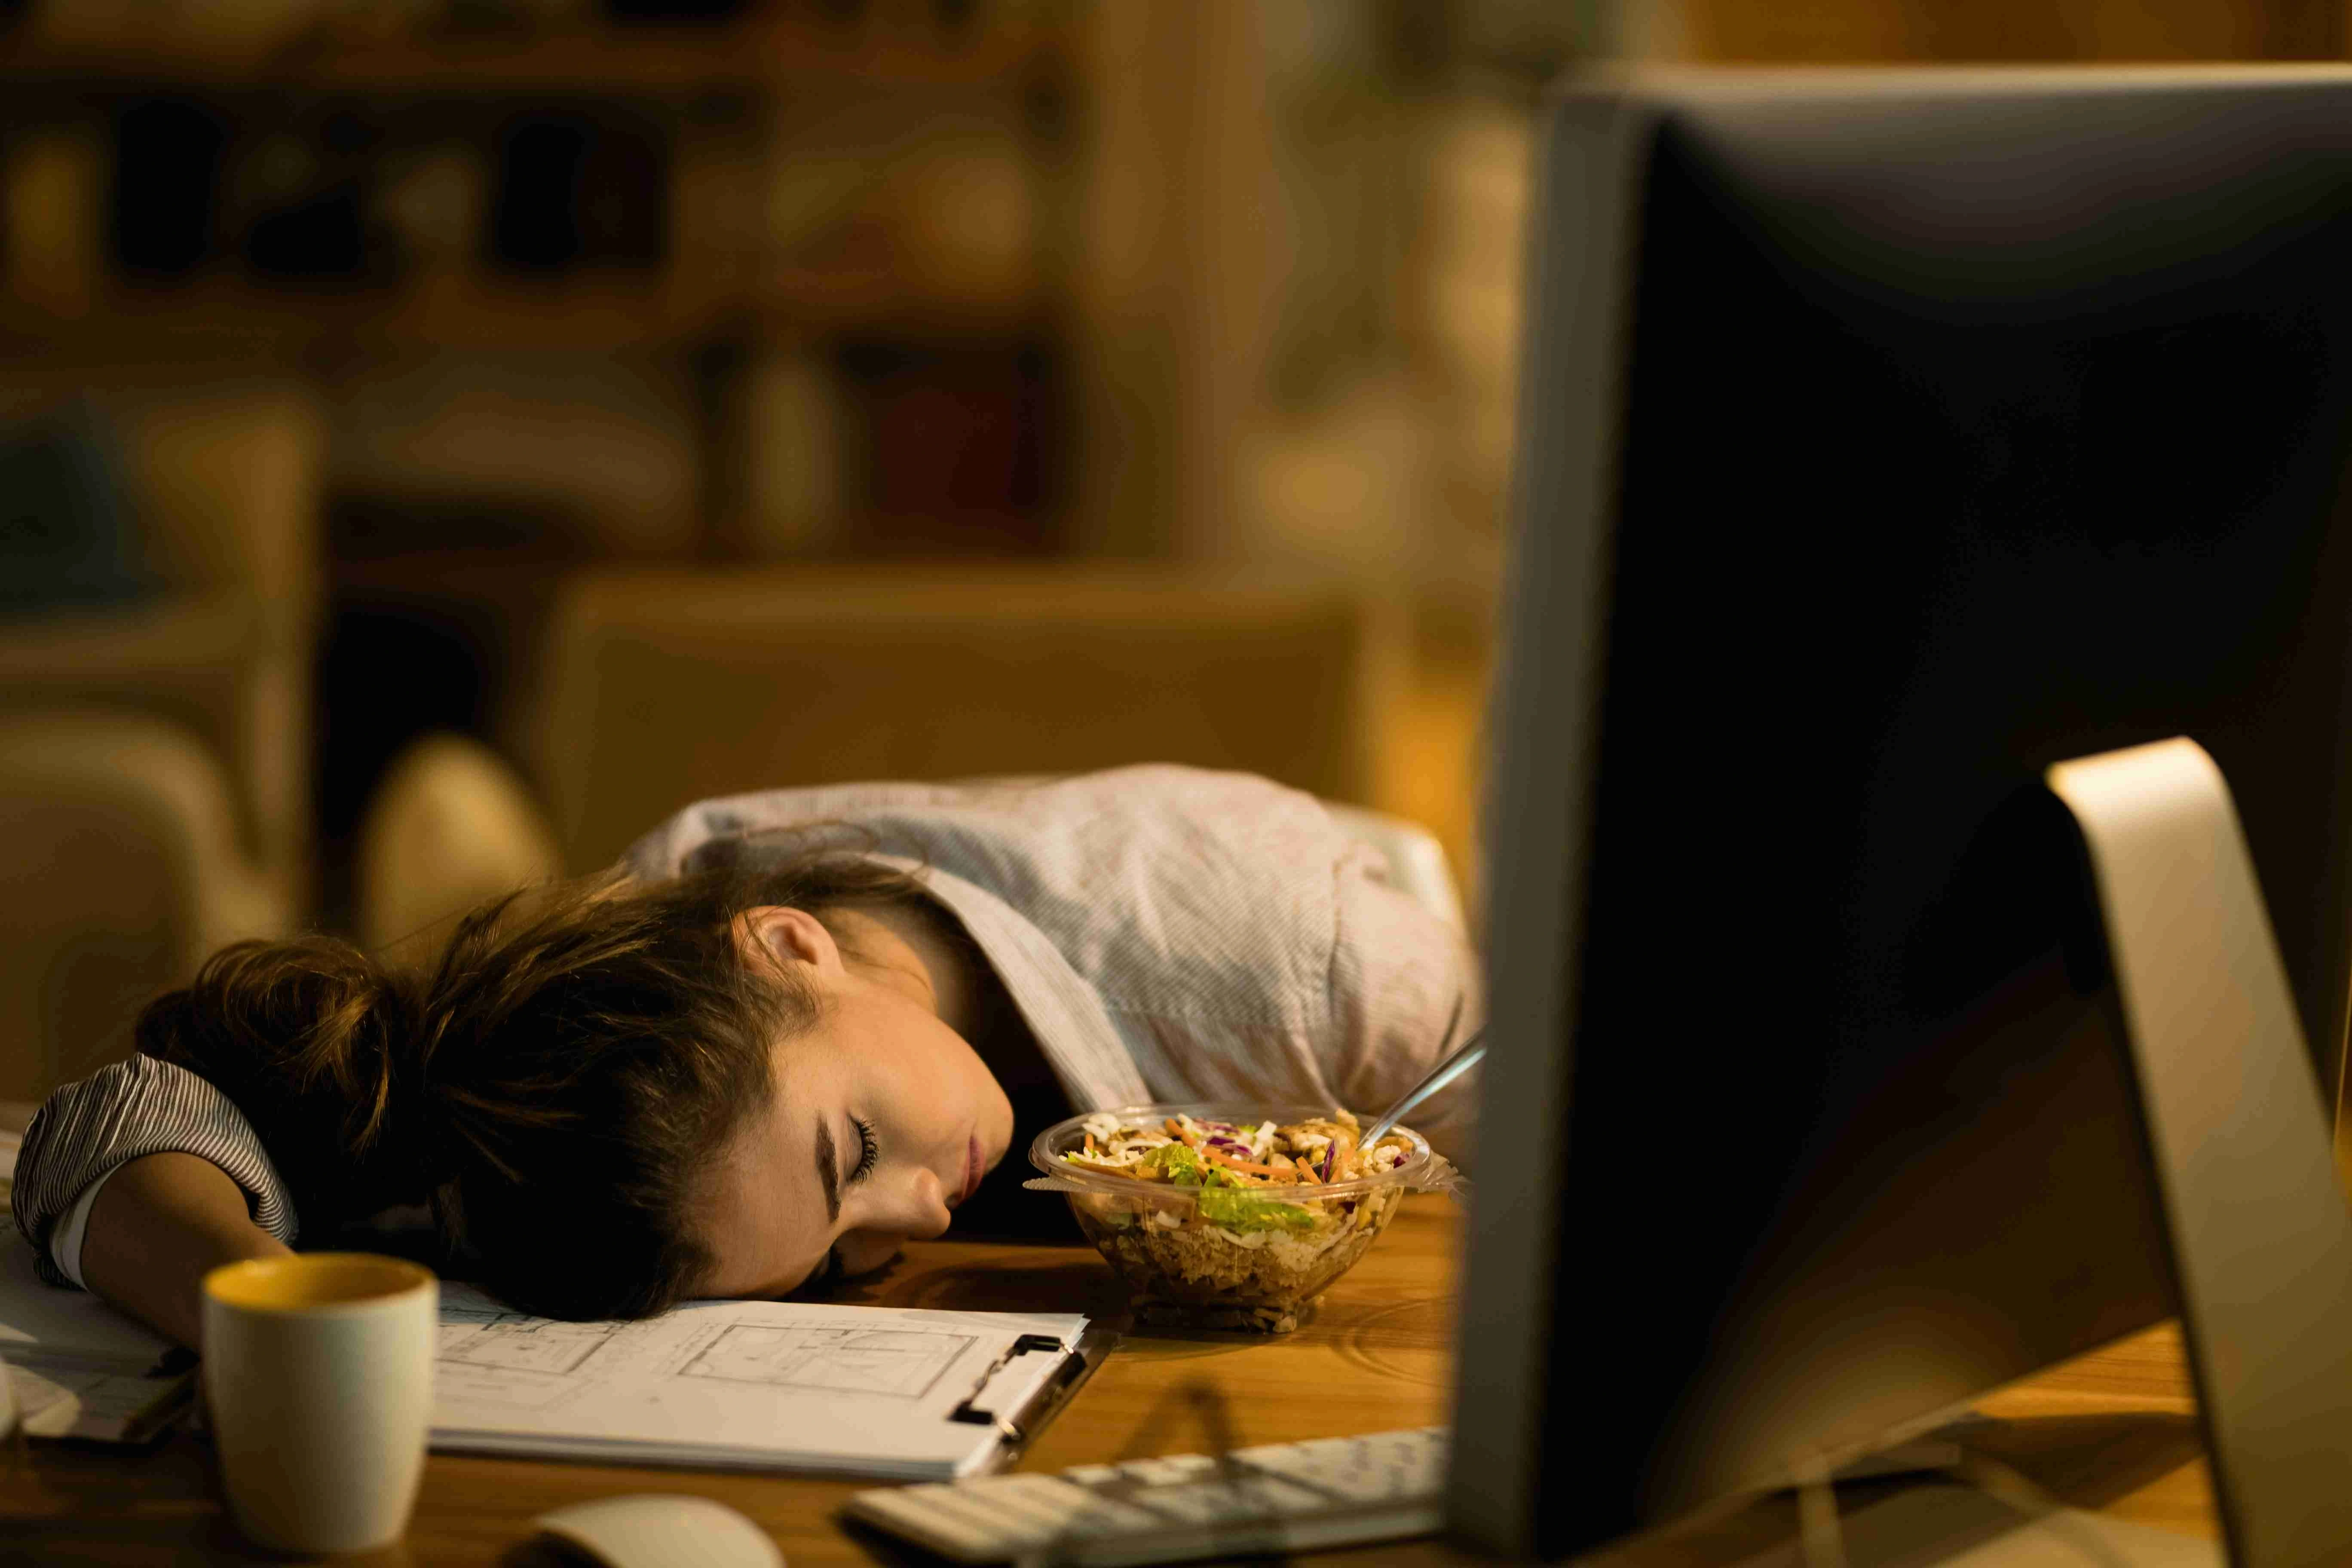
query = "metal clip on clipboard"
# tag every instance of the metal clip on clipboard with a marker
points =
(1018, 1425)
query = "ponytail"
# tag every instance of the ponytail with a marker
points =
(314, 1041)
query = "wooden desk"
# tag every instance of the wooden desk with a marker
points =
(2114, 1431)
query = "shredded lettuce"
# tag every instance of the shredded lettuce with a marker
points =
(1184, 1165)
(1225, 1200)
(1237, 1209)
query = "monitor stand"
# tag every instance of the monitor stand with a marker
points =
(2238, 1145)
(2242, 1159)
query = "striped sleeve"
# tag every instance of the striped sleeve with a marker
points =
(119, 1113)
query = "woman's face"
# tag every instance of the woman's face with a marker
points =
(883, 1120)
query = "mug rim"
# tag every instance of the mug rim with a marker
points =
(405, 1282)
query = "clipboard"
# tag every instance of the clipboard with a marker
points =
(813, 1388)
(1021, 1422)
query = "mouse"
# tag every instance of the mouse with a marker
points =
(661, 1530)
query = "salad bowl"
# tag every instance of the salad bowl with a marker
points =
(1228, 1216)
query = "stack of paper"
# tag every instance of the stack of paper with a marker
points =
(79, 1368)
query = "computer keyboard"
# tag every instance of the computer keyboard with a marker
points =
(1283, 1497)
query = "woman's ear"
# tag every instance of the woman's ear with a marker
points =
(779, 935)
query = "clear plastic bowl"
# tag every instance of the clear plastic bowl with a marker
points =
(1184, 1269)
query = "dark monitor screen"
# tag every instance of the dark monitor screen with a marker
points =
(1888, 437)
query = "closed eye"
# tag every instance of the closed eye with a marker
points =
(868, 1152)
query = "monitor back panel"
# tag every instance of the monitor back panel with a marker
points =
(1884, 447)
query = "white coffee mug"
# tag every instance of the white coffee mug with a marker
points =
(318, 1370)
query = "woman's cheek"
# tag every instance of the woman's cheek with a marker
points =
(863, 1252)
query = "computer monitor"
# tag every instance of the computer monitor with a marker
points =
(1888, 437)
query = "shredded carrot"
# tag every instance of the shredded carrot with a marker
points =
(1179, 1131)
(1306, 1171)
(1251, 1166)
(1090, 1142)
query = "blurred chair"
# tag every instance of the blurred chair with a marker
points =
(224, 482)
(121, 869)
(658, 688)
(450, 827)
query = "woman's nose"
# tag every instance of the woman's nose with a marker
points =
(919, 1208)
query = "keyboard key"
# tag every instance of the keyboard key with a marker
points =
(1173, 1470)
(942, 1528)
(1366, 1469)
(1053, 1507)
(1224, 1501)
(1009, 1529)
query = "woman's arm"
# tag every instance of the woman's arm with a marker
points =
(161, 1223)
(133, 1111)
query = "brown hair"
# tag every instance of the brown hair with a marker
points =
(557, 1086)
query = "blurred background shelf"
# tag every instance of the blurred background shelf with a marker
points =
(379, 370)
(524, 55)
(1101, 330)
(591, 314)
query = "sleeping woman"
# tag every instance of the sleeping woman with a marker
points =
(790, 1032)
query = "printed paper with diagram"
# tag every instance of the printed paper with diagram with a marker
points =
(874, 1390)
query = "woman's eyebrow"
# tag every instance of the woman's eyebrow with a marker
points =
(828, 1170)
